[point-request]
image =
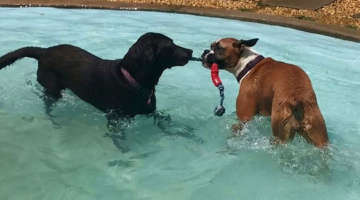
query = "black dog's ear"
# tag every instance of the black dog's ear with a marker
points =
(141, 52)
(248, 43)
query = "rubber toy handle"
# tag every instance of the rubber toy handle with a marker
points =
(215, 74)
(220, 109)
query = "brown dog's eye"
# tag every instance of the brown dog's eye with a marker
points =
(218, 48)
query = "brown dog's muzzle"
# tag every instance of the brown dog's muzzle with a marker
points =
(208, 57)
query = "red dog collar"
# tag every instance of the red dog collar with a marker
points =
(143, 92)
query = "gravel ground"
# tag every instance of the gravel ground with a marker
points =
(339, 19)
(341, 12)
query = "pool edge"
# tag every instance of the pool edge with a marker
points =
(308, 26)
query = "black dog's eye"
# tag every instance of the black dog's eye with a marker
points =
(168, 45)
(166, 48)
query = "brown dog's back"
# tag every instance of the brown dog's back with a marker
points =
(284, 92)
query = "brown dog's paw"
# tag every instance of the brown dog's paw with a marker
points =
(276, 142)
(237, 129)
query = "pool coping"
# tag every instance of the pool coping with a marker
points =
(308, 26)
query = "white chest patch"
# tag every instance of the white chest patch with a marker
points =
(247, 56)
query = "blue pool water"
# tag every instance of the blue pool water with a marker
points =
(76, 161)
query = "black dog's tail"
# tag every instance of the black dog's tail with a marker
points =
(11, 57)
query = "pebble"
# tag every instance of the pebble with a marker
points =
(343, 12)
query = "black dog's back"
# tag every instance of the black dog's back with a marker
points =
(68, 58)
(91, 78)
(66, 66)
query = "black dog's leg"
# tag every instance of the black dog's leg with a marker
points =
(49, 101)
(169, 127)
(116, 126)
(52, 91)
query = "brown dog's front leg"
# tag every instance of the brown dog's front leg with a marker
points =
(245, 111)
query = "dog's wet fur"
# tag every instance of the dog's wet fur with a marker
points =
(121, 88)
(271, 88)
(101, 82)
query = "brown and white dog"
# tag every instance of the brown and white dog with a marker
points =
(270, 88)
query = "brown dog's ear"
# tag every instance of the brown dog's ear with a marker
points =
(248, 43)
(251, 42)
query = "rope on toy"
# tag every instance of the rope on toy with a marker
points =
(220, 109)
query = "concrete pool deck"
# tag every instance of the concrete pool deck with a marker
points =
(306, 25)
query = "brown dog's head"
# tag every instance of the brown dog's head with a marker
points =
(226, 52)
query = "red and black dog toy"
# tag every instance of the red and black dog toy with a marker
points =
(220, 109)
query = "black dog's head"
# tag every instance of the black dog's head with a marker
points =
(158, 51)
(151, 54)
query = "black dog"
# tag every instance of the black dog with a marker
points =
(121, 88)
(125, 86)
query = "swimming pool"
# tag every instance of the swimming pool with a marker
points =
(40, 161)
